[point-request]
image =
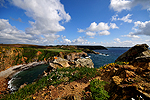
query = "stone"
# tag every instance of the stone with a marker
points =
(72, 97)
(74, 56)
(117, 79)
(22, 86)
(84, 63)
(58, 63)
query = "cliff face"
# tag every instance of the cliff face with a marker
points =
(134, 53)
(130, 81)
(10, 56)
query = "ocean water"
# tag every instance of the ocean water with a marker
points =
(26, 76)
(106, 56)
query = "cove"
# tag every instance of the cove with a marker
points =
(26, 76)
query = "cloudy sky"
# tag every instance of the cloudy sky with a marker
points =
(94, 22)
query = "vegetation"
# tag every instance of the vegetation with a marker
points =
(97, 89)
(56, 77)
(113, 64)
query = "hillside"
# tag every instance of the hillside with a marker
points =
(69, 77)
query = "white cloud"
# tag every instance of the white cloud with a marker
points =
(113, 26)
(147, 40)
(79, 40)
(131, 35)
(46, 13)
(100, 28)
(104, 32)
(117, 40)
(142, 28)
(10, 34)
(119, 5)
(114, 17)
(90, 33)
(80, 30)
(65, 40)
(125, 18)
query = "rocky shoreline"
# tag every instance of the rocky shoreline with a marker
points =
(6, 75)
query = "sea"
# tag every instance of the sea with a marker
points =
(28, 76)
(107, 56)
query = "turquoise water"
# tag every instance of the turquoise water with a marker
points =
(26, 76)
(106, 56)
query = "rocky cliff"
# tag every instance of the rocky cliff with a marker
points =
(129, 81)
(135, 53)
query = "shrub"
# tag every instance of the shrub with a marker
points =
(97, 89)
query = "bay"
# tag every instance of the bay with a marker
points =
(106, 56)
(26, 76)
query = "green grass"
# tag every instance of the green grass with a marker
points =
(56, 50)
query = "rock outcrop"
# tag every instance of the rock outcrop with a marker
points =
(72, 59)
(85, 62)
(73, 56)
(127, 81)
(135, 53)
(130, 81)
(59, 63)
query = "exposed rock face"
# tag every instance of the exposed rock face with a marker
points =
(135, 53)
(127, 81)
(130, 81)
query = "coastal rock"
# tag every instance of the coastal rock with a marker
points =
(22, 86)
(74, 56)
(134, 53)
(85, 62)
(59, 63)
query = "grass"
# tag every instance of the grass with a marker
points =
(56, 50)
(56, 77)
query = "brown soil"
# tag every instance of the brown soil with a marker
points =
(75, 88)
(3, 85)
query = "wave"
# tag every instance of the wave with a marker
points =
(103, 54)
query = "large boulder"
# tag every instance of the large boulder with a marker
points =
(85, 62)
(135, 53)
(59, 63)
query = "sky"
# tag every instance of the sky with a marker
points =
(110, 23)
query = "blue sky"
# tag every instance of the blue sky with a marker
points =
(109, 23)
